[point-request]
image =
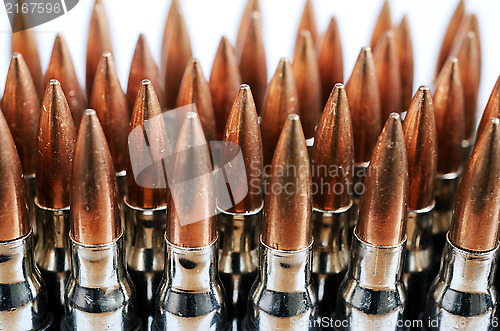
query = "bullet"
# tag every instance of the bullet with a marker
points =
(332, 162)
(492, 108)
(56, 146)
(194, 89)
(469, 259)
(307, 23)
(225, 80)
(404, 44)
(239, 225)
(383, 24)
(450, 125)
(146, 200)
(190, 296)
(307, 80)
(21, 109)
(175, 53)
(364, 103)
(281, 100)
(142, 67)
(251, 7)
(379, 240)
(98, 269)
(467, 52)
(449, 36)
(98, 42)
(61, 68)
(421, 149)
(252, 57)
(330, 60)
(24, 42)
(110, 104)
(23, 303)
(388, 76)
(283, 296)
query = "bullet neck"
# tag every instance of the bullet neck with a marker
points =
(239, 240)
(146, 252)
(52, 249)
(467, 271)
(191, 269)
(330, 248)
(419, 244)
(99, 266)
(285, 271)
(17, 263)
(376, 267)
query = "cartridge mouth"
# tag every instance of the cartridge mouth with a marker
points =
(17, 241)
(193, 249)
(103, 246)
(246, 213)
(469, 252)
(286, 252)
(49, 209)
(403, 241)
(334, 211)
(424, 210)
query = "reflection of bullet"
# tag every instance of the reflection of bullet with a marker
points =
(145, 207)
(98, 42)
(21, 108)
(98, 270)
(239, 226)
(56, 146)
(190, 296)
(421, 148)
(23, 303)
(379, 240)
(283, 296)
(332, 162)
(175, 53)
(463, 296)
(450, 125)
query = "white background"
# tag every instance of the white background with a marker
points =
(208, 20)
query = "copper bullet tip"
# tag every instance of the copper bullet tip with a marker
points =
(175, 53)
(280, 101)
(95, 214)
(98, 42)
(308, 83)
(142, 67)
(364, 103)
(225, 81)
(383, 24)
(191, 220)
(61, 68)
(450, 118)
(287, 212)
(332, 156)
(110, 104)
(308, 23)
(252, 57)
(148, 145)
(56, 147)
(194, 89)
(21, 109)
(421, 148)
(492, 108)
(330, 60)
(449, 36)
(388, 75)
(14, 212)
(475, 225)
(383, 205)
(243, 135)
(405, 57)
(251, 7)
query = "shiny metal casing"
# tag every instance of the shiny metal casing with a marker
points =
(462, 297)
(372, 295)
(190, 296)
(99, 293)
(23, 299)
(283, 297)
